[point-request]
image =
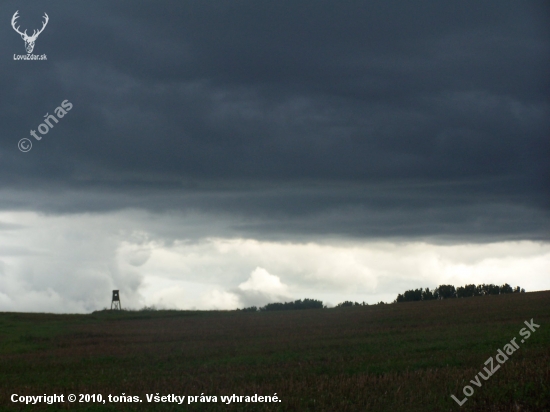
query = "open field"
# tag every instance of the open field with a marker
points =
(399, 357)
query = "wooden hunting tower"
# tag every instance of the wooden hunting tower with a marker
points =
(115, 303)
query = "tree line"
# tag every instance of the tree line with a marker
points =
(297, 304)
(449, 291)
(441, 292)
(349, 303)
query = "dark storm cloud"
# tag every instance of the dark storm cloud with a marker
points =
(349, 118)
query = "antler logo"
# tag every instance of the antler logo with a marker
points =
(29, 40)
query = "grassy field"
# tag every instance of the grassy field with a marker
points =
(398, 357)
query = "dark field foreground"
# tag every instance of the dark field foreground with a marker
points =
(399, 357)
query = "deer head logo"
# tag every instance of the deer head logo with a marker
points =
(29, 40)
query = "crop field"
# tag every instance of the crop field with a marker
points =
(398, 357)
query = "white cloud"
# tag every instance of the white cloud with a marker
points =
(261, 281)
(262, 288)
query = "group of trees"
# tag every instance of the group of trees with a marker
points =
(301, 304)
(297, 304)
(449, 291)
(348, 303)
(441, 292)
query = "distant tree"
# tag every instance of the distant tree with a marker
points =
(410, 296)
(309, 304)
(446, 291)
(427, 294)
(274, 306)
(413, 295)
(506, 288)
(249, 309)
(489, 289)
(298, 304)
(494, 289)
(348, 303)
(467, 291)
(473, 290)
(344, 304)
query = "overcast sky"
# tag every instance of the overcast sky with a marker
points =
(222, 154)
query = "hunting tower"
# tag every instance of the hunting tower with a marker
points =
(115, 303)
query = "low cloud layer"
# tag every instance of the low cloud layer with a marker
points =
(71, 264)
